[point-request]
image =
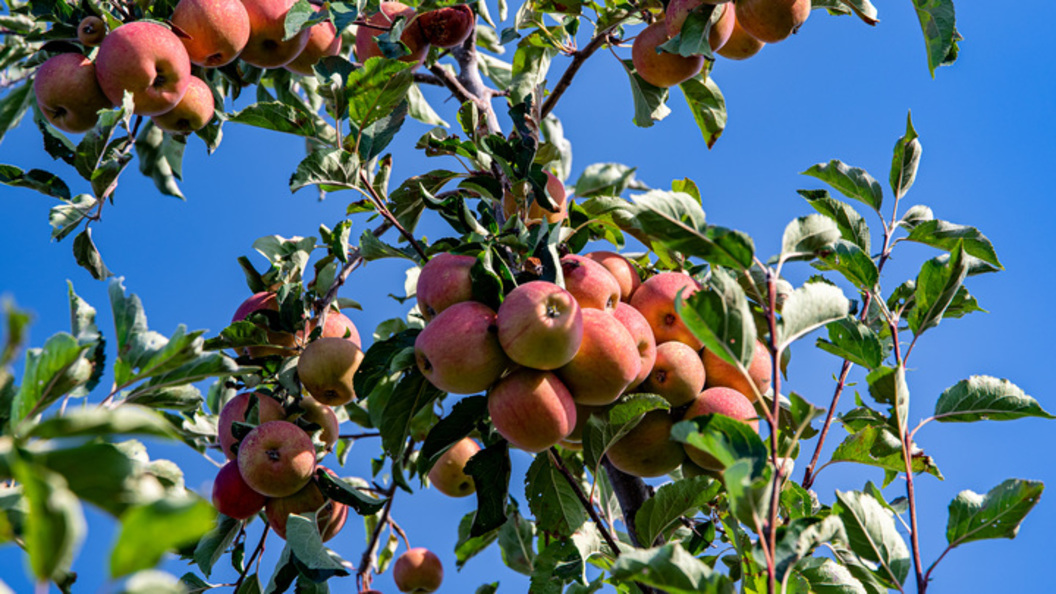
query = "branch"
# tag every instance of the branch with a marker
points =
(366, 562)
(555, 457)
(256, 552)
(775, 375)
(578, 58)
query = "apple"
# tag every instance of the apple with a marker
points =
(91, 31)
(418, 570)
(217, 30)
(659, 68)
(678, 374)
(323, 41)
(459, 351)
(337, 325)
(68, 93)
(192, 113)
(590, 283)
(540, 325)
(147, 60)
(326, 367)
(741, 45)
(621, 269)
(772, 20)
(449, 26)
(606, 363)
(722, 401)
(268, 409)
(276, 459)
(330, 515)
(444, 281)
(512, 204)
(655, 299)
(583, 413)
(760, 371)
(721, 27)
(267, 46)
(648, 450)
(448, 475)
(284, 342)
(232, 496)
(532, 409)
(381, 22)
(636, 324)
(317, 413)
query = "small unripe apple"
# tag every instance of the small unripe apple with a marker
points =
(448, 475)
(660, 68)
(590, 283)
(192, 113)
(677, 375)
(532, 409)
(540, 325)
(722, 401)
(722, 374)
(621, 269)
(326, 368)
(91, 31)
(448, 26)
(276, 459)
(232, 496)
(68, 92)
(636, 324)
(380, 22)
(217, 30)
(323, 41)
(267, 46)
(418, 571)
(772, 20)
(741, 45)
(459, 351)
(648, 450)
(444, 281)
(655, 299)
(235, 411)
(147, 60)
(330, 515)
(606, 363)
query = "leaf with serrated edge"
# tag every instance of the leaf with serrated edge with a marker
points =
(997, 514)
(810, 307)
(986, 398)
(852, 182)
(600, 434)
(872, 534)
(671, 502)
(551, 499)
(946, 236)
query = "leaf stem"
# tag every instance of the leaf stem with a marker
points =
(379, 203)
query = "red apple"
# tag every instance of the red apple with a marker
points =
(276, 459)
(660, 68)
(459, 350)
(606, 363)
(677, 375)
(532, 409)
(380, 22)
(621, 269)
(326, 368)
(232, 496)
(648, 450)
(192, 113)
(268, 409)
(149, 61)
(655, 299)
(444, 281)
(590, 283)
(323, 41)
(722, 401)
(217, 30)
(267, 46)
(448, 475)
(540, 325)
(330, 515)
(760, 372)
(68, 93)
(448, 26)
(636, 324)
(418, 570)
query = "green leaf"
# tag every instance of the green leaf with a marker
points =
(708, 106)
(797, 539)
(13, 106)
(872, 534)
(604, 429)
(330, 169)
(419, 108)
(880, 447)
(468, 546)
(852, 182)
(161, 158)
(108, 476)
(906, 160)
(152, 581)
(375, 89)
(854, 341)
(88, 256)
(947, 236)
(854, 264)
(125, 420)
(313, 558)
(342, 492)
(280, 117)
(565, 560)
(517, 542)
(54, 524)
(728, 440)
(605, 179)
(808, 308)
(670, 568)
(997, 514)
(64, 218)
(937, 286)
(650, 102)
(671, 502)
(806, 236)
(490, 469)
(721, 318)
(303, 16)
(372, 248)
(51, 372)
(749, 491)
(938, 22)
(852, 225)
(530, 65)
(825, 576)
(213, 545)
(42, 181)
(552, 500)
(412, 394)
(149, 531)
(84, 329)
(986, 398)
(463, 419)
(376, 137)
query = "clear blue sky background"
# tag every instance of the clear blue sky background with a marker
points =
(839, 89)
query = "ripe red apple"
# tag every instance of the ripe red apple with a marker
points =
(772, 20)
(232, 496)
(590, 283)
(323, 41)
(648, 450)
(621, 269)
(511, 204)
(284, 342)
(448, 475)
(658, 68)
(444, 281)
(380, 22)
(68, 93)
(218, 30)
(448, 26)
(267, 46)
(326, 368)
(276, 459)
(338, 325)
(722, 401)
(147, 60)
(636, 324)
(320, 414)
(459, 350)
(722, 374)
(418, 570)
(268, 409)
(655, 299)
(330, 515)
(606, 363)
(540, 325)
(532, 409)
(192, 113)
(91, 31)
(741, 45)
(678, 374)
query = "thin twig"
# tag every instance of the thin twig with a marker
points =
(907, 457)
(366, 562)
(578, 59)
(555, 457)
(775, 378)
(260, 548)
(358, 435)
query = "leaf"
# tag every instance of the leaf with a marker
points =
(342, 492)
(64, 218)
(937, 286)
(604, 429)
(51, 372)
(467, 546)
(517, 542)
(565, 560)
(152, 581)
(938, 22)
(375, 89)
(880, 447)
(797, 539)
(302, 16)
(708, 106)
(88, 256)
(854, 341)
(309, 552)
(552, 500)
(721, 318)
(872, 534)
(149, 531)
(604, 179)
(13, 106)
(54, 525)
(947, 236)
(808, 308)
(986, 398)
(728, 440)
(419, 108)
(42, 181)
(852, 225)
(997, 514)
(377, 136)
(330, 169)
(490, 469)
(125, 420)
(806, 236)
(849, 260)
(671, 502)
(412, 394)
(828, 577)
(670, 568)
(213, 545)
(161, 158)
(906, 160)
(650, 101)
(280, 117)
(852, 182)
(530, 65)
(749, 491)
(464, 417)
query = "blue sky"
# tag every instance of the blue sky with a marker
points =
(839, 89)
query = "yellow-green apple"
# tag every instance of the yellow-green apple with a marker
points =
(448, 475)
(217, 30)
(638, 326)
(149, 61)
(91, 31)
(532, 409)
(267, 46)
(68, 93)
(448, 26)
(540, 325)
(381, 22)
(326, 367)
(590, 283)
(721, 25)
(660, 68)
(459, 350)
(330, 515)
(583, 413)
(741, 45)
(690, 470)
(512, 204)
(721, 401)
(323, 41)
(648, 450)
(678, 374)
(276, 459)
(317, 413)
(721, 374)
(606, 363)
(237, 410)
(772, 20)
(232, 496)
(192, 113)
(655, 299)
(444, 281)
(418, 570)
(621, 269)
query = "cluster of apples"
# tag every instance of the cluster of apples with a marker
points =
(551, 356)
(154, 62)
(738, 31)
